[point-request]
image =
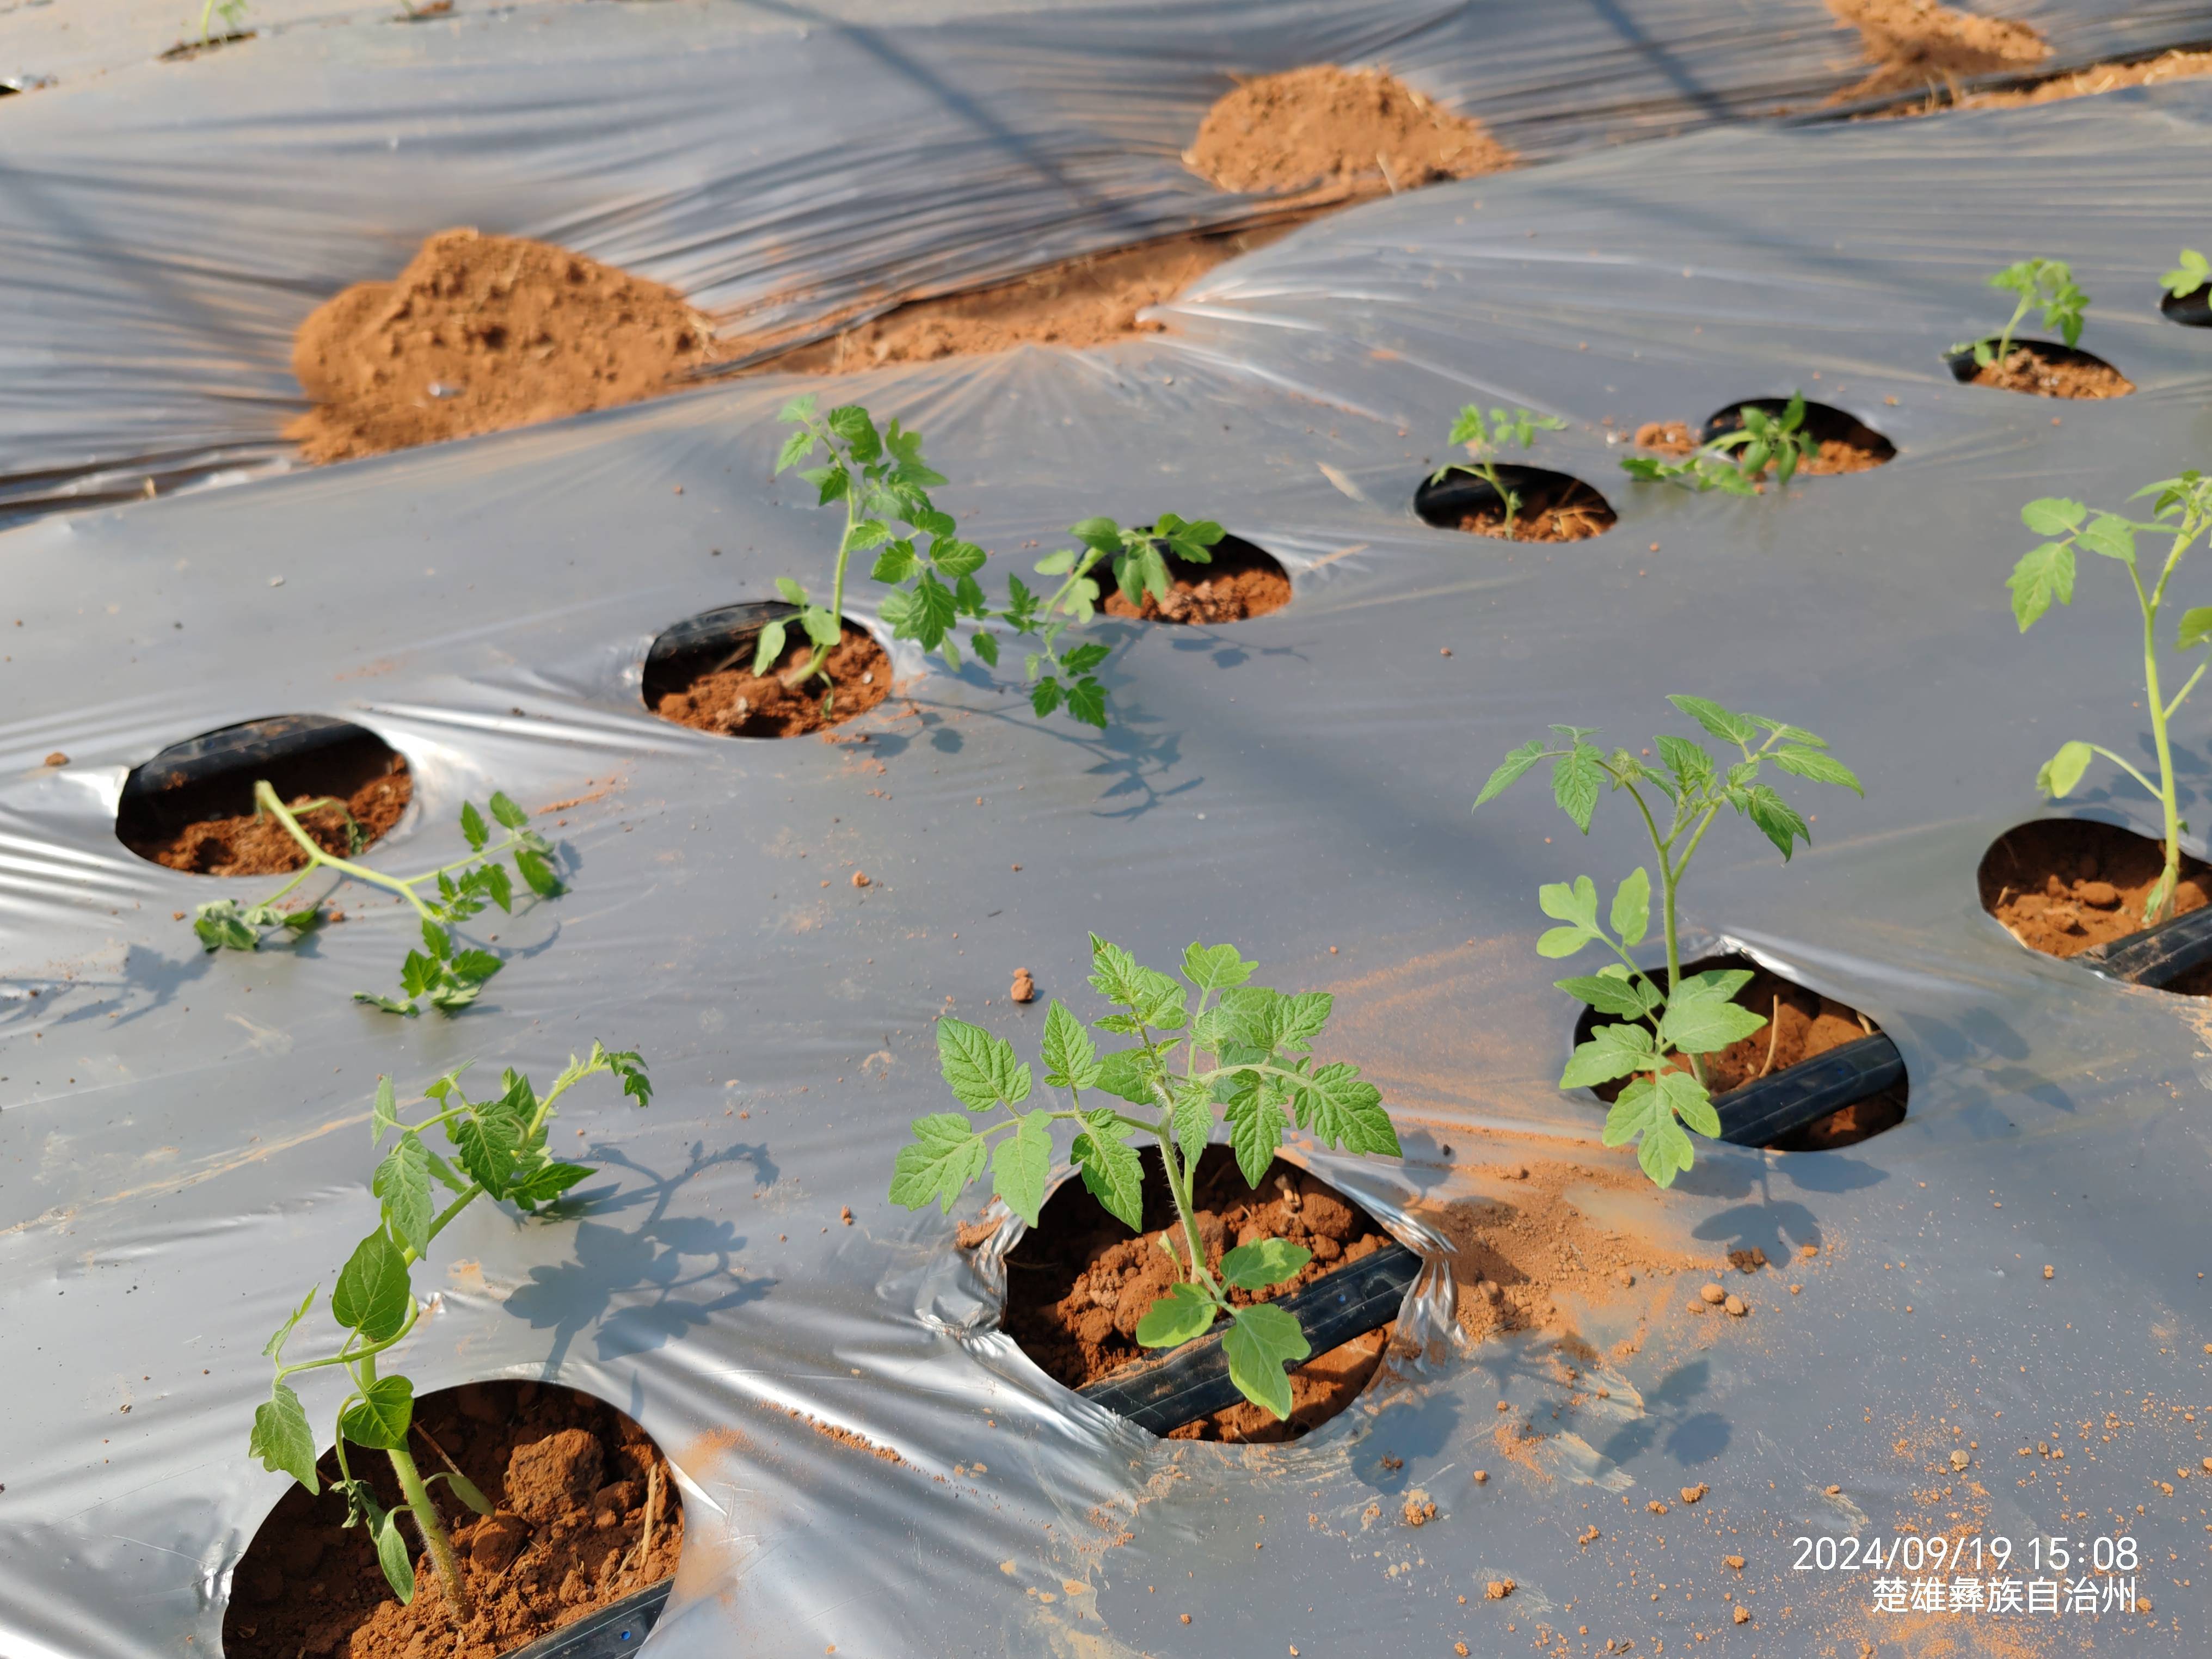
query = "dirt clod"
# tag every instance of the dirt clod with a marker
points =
(1748, 1261)
(1420, 1508)
(1497, 1589)
(1024, 986)
(1691, 1494)
(1742, 1614)
(860, 879)
(58, 758)
(1713, 1294)
(1736, 1307)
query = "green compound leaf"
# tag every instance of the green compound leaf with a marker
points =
(1023, 1163)
(372, 1295)
(1638, 1106)
(2063, 770)
(1266, 1262)
(402, 1182)
(1687, 1098)
(221, 927)
(2110, 535)
(1192, 1122)
(980, 1069)
(1612, 1051)
(474, 829)
(1111, 1168)
(2053, 515)
(1703, 1026)
(1631, 907)
(1621, 998)
(1576, 777)
(379, 1417)
(1812, 764)
(1257, 1122)
(1724, 723)
(536, 870)
(1342, 1110)
(1215, 967)
(946, 1156)
(1127, 1075)
(1664, 1152)
(1259, 1344)
(508, 813)
(1070, 1059)
(383, 1114)
(1576, 902)
(280, 1437)
(1776, 818)
(1184, 1312)
(1510, 771)
(2042, 574)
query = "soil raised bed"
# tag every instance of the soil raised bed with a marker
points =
(1079, 1280)
(1241, 581)
(2042, 368)
(699, 674)
(1333, 132)
(1819, 1075)
(191, 807)
(571, 1480)
(1555, 506)
(2073, 888)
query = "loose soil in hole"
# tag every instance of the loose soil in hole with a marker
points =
(2052, 372)
(2060, 885)
(1675, 438)
(736, 702)
(479, 334)
(1240, 582)
(1553, 509)
(569, 1478)
(251, 845)
(1078, 1282)
(1337, 133)
(2080, 83)
(1521, 1254)
(1802, 1024)
(1917, 43)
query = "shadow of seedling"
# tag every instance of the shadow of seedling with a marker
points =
(1690, 1436)
(647, 1268)
(1132, 756)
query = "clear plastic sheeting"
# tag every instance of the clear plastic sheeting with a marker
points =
(185, 1138)
(170, 225)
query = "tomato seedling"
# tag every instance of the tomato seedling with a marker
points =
(2194, 272)
(499, 1145)
(2182, 511)
(1665, 1029)
(1486, 439)
(1246, 1050)
(884, 482)
(1736, 460)
(450, 978)
(2048, 283)
(233, 13)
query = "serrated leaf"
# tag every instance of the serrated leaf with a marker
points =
(1023, 1163)
(1576, 777)
(379, 1419)
(1702, 1025)
(1342, 1109)
(1086, 702)
(221, 927)
(2042, 574)
(851, 422)
(1724, 723)
(1184, 1313)
(372, 1295)
(1215, 967)
(1264, 1262)
(1664, 1152)
(536, 872)
(383, 1112)
(475, 967)
(402, 1183)
(1687, 1098)
(2111, 536)
(1510, 769)
(1811, 764)
(1257, 1122)
(1111, 1168)
(1607, 994)
(1126, 1074)
(1776, 818)
(980, 1069)
(508, 813)
(1631, 907)
(2195, 627)
(547, 1183)
(895, 563)
(1192, 1122)
(1612, 1051)
(280, 1437)
(1070, 1059)
(273, 1347)
(474, 829)
(2053, 515)
(488, 1141)
(2063, 770)
(946, 1154)
(1261, 1342)
(1634, 1109)
(985, 645)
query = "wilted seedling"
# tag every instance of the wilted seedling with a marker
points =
(1692, 1014)
(1736, 460)
(883, 481)
(2194, 272)
(1245, 1049)
(449, 977)
(499, 1145)
(2045, 283)
(1486, 438)
(2183, 511)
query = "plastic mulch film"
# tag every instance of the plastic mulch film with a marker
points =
(170, 225)
(185, 1138)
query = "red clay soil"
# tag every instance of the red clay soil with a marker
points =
(1802, 1024)
(1917, 43)
(1335, 133)
(251, 845)
(570, 1480)
(2060, 885)
(479, 334)
(736, 702)
(1552, 509)
(2052, 372)
(1079, 1281)
(1239, 582)
(2102, 77)
(1676, 439)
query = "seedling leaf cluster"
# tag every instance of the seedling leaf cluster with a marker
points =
(1234, 1052)
(1662, 1031)
(1487, 439)
(2045, 283)
(1735, 460)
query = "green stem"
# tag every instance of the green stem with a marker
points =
(265, 797)
(2167, 795)
(432, 1529)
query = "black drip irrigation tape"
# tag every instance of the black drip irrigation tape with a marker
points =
(1182, 1387)
(1765, 1110)
(2157, 956)
(619, 1628)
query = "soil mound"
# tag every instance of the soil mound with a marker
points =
(1917, 43)
(1337, 131)
(480, 333)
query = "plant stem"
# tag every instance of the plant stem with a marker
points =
(433, 1530)
(799, 676)
(265, 797)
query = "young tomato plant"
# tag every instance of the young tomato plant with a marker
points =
(2181, 511)
(1243, 1050)
(1736, 460)
(1487, 440)
(450, 978)
(2194, 272)
(1665, 1029)
(499, 1145)
(2045, 283)
(883, 481)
